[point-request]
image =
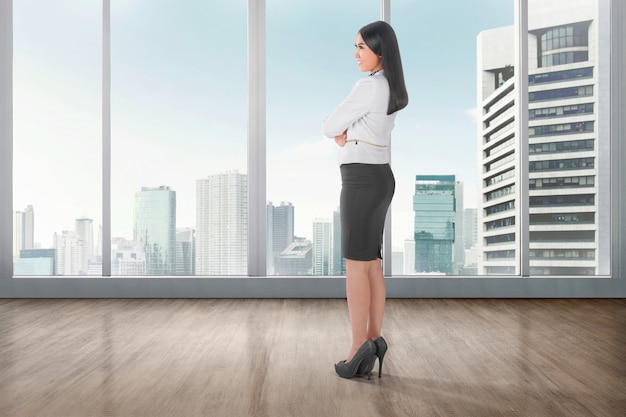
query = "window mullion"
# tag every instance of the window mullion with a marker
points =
(256, 139)
(6, 139)
(521, 116)
(106, 138)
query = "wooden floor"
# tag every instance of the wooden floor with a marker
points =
(275, 358)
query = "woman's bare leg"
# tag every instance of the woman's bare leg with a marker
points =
(359, 298)
(378, 296)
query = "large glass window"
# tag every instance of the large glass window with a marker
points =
(464, 204)
(57, 136)
(178, 138)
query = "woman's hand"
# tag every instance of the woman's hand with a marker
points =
(341, 139)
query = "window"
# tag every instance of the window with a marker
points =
(169, 117)
(178, 138)
(57, 136)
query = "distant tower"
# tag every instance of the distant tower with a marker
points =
(23, 230)
(185, 251)
(155, 228)
(434, 204)
(322, 246)
(280, 230)
(338, 262)
(222, 224)
(71, 251)
(84, 229)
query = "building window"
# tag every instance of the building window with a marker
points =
(584, 91)
(565, 146)
(550, 77)
(562, 182)
(559, 218)
(560, 111)
(562, 200)
(572, 37)
(561, 164)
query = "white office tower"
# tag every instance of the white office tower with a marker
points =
(71, 254)
(222, 224)
(23, 230)
(322, 247)
(566, 185)
(84, 229)
(397, 262)
(127, 258)
(409, 257)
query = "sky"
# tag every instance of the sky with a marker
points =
(179, 102)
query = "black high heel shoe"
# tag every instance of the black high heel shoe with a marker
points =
(381, 349)
(365, 354)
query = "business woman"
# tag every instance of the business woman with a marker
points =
(361, 126)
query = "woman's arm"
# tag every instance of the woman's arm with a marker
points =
(355, 106)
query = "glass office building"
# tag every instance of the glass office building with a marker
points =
(155, 228)
(434, 204)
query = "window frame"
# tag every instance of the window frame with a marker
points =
(256, 284)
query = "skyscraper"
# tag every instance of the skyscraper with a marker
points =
(23, 230)
(434, 204)
(155, 228)
(470, 228)
(280, 230)
(185, 251)
(127, 258)
(568, 142)
(222, 224)
(338, 262)
(71, 251)
(322, 246)
(84, 229)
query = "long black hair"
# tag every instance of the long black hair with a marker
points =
(381, 39)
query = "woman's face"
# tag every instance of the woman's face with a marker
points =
(366, 58)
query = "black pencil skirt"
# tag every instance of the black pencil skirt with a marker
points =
(366, 193)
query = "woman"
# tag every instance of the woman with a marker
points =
(361, 126)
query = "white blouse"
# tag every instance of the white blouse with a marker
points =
(364, 114)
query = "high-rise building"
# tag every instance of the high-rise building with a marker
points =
(568, 143)
(71, 251)
(84, 229)
(283, 226)
(222, 224)
(185, 251)
(322, 246)
(435, 207)
(155, 228)
(127, 258)
(397, 262)
(338, 262)
(409, 257)
(470, 228)
(280, 230)
(23, 230)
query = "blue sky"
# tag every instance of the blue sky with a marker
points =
(179, 104)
